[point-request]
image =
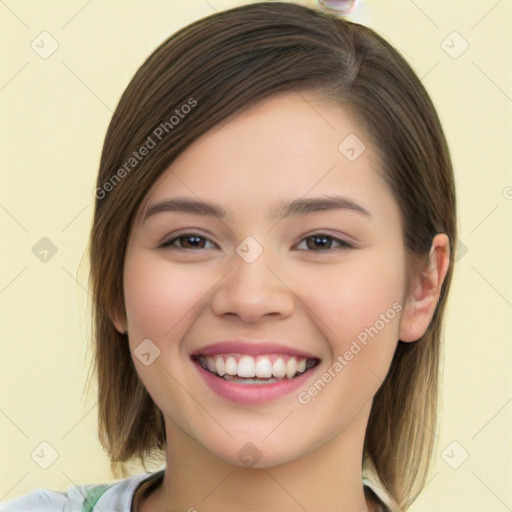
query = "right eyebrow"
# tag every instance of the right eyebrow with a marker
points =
(185, 205)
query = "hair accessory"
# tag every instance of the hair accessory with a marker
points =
(337, 6)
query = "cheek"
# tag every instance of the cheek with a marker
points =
(159, 296)
(160, 302)
(360, 319)
(360, 293)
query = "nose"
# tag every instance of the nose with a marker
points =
(253, 291)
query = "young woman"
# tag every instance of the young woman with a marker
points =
(270, 262)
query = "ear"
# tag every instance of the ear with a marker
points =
(424, 291)
(119, 321)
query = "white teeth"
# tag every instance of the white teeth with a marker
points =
(249, 381)
(246, 367)
(263, 368)
(210, 364)
(231, 365)
(279, 368)
(291, 367)
(220, 367)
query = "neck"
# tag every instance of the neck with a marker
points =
(327, 478)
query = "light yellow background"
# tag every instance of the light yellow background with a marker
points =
(55, 112)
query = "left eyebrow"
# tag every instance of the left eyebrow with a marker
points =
(303, 206)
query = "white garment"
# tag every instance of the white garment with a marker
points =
(111, 497)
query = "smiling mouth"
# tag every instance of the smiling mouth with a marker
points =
(261, 369)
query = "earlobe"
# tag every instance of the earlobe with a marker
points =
(423, 296)
(119, 321)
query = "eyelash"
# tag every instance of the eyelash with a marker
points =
(343, 244)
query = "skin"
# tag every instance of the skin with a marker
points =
(317, 297)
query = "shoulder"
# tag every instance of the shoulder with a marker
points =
(112, 497)
(376, 496)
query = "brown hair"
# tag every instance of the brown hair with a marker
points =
(219, 66)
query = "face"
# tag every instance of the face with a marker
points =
(270, 252)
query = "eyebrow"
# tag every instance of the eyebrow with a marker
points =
(303, 206)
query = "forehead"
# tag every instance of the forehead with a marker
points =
(282, 128)
(287, 145)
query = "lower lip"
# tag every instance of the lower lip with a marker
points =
(252, 394)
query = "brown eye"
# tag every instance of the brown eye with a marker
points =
(320, 242)
(187, 241)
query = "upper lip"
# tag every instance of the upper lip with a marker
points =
(251, 347)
